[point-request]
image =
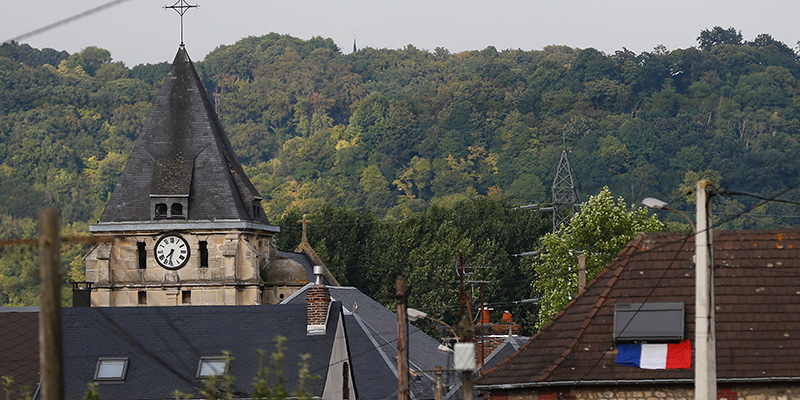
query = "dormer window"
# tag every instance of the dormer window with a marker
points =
(161, 210)
(169, 207)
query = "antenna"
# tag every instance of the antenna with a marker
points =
(181, 6)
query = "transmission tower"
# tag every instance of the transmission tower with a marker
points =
(565, 194)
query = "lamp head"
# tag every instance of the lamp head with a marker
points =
(414, 314)
(655, 203)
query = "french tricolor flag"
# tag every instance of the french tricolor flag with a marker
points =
(656, 356)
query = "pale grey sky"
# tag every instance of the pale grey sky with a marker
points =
(139, 31)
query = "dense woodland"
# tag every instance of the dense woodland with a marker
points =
(403, 157)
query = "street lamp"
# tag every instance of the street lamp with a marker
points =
(663, 205)
(414, 314)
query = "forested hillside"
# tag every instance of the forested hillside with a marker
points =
(393, 132)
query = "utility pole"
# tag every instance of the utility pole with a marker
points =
(463, 296)
(439, 387)
(464, 357)
(705, 369)
(50, 341)
(401, 296)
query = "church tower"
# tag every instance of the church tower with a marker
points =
(186, 222)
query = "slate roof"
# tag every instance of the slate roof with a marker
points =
(510, 345)
(757, 287)
(164, 345)
(182, 150)
(19, 347)
(373, 344)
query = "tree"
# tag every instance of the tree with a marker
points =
(601, 229)
(711, 37)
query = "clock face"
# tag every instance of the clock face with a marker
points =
(172, 251)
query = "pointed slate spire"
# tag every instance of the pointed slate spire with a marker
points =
(182, 166)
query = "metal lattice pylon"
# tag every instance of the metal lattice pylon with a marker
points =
(565, 194)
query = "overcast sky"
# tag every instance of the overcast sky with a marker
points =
(141, 31)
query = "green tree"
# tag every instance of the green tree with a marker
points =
(600, 230)
(717, 35)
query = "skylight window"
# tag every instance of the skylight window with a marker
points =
(212, 366)
(655, 322)
(111, 369)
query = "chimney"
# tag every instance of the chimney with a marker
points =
(81, 294)
(507, 317)
(318, 303)
(485, 315)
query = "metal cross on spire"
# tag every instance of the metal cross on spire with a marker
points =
(305, 221)
(181, 6)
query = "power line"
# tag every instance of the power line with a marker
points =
(66, 20)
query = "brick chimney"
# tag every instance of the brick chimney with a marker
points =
(318, 303)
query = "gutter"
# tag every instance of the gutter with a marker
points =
(510, 386)
(179, 225)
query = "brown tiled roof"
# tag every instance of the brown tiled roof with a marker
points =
(19, 347)
(757, 285)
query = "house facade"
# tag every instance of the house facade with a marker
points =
(757, 304)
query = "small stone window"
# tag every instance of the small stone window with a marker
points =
(203, 254)
(176, 210)
(186, 297)
(212, 366)
(142, 298)
(111, 369)
(141, 252)
(161, 210)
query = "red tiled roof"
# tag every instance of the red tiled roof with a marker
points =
(19, 347)
(757, 285)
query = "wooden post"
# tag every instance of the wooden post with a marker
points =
(439, 388)
(50, 341)
(402, 339)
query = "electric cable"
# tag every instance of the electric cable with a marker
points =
(67, 20)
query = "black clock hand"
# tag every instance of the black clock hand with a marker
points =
(169, 256)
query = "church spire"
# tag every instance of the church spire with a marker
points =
(182, 166)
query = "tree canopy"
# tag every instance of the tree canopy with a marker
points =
(398, 134)
(599, 231)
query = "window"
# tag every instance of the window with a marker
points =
(111, 369)
(203, 254)
(161, 210)
(142, 297)
(176, 210)
(212, 366)
(141, 251)
(186, 297)
(659, 322)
